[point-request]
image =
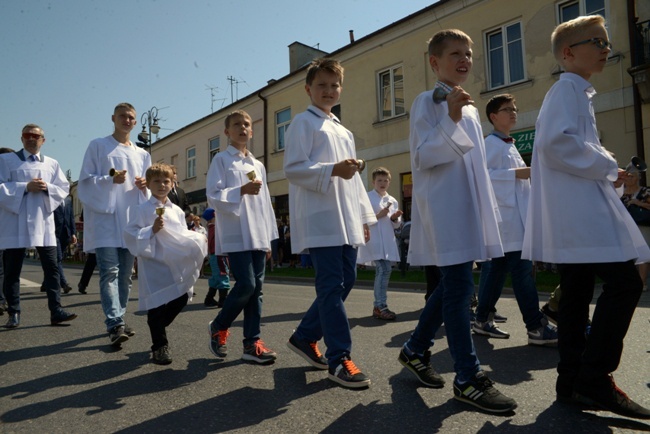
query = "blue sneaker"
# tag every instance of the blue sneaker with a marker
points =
(546, 335)
(489, 329)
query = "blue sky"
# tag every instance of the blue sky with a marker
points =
(66, 64)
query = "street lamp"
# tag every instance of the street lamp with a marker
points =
(149, 121)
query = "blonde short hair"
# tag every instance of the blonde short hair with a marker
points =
(159, 170)
(438, 41)
(241, 113)
(570, 31)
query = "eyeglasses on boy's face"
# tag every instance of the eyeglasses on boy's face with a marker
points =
(598, 42)
(509, 110)
(32, 136)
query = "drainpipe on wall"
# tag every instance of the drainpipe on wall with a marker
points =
(266, 130)
(638, 119)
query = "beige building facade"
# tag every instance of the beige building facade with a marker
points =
(387, 69)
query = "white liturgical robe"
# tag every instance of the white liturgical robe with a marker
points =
(325, 211)
(454, 211)
(382, 244)
(26, 218)
(511, 192)
(574, 213)
(106, 203)
(244, 222)
(169, 262)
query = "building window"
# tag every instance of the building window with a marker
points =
(214, 147)
(191, 163)
(391, 92)
(282, 121)
(505, 47)
(573, 9)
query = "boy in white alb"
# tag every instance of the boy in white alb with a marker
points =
(237, 190)
(169, 258)
(510, 180)
(112, 179)
(330, 213)
(454, 220)
(381, 249)
(576, 220)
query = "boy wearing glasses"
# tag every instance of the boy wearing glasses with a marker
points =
(576, 220)
(510, 182)
(32, 186)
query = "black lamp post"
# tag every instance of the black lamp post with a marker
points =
(149, 121)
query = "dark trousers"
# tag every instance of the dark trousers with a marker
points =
(588, 360)
(2, 277)
(161, 317)
(89, 268)
(13, 264)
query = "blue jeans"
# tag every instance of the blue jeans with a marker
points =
(246, 295)
(115, 267)
(382, 276)
(336, 272)
(450, 302)
(217, 280)
(493, 276)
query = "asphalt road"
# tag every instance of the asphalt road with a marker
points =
(67, 379)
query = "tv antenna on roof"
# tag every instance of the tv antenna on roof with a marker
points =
(213, 92)
(234, 83)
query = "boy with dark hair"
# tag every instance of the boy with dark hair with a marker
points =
(576, 220)
(170, 258)
(453, 220)
(330, 213)
(510, 181)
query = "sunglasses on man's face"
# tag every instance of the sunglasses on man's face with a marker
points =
(31, 136)
(598, 42)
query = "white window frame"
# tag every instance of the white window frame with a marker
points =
(386, 96)
(507, 80)
(191, 162)
(213, 150)
(582, 6)
(281, 129)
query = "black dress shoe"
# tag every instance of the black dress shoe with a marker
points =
(42, 288)
(14, 321)
(82, 289)
(62, 316)
(66, 289)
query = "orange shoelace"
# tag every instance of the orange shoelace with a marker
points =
(222, 336)
(314, 347)
(260, 347)
(351, 367)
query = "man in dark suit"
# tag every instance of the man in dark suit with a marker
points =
(177, 194)
(65, 235)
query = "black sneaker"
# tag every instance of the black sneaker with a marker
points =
(607, 396)
(62, 316)
(421, 367)
(218, 341)
(490, 329)
(162, 356)
(308, 351)
(66, 289)
(82, 289)
(129, 331)
(117, 335)
(550, 314)
(499, 318)
(348, 375)
(480, 392)
(258, 352)
(210, 303)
